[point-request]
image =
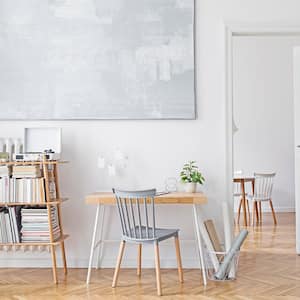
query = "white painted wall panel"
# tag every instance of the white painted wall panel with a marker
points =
(174, 142)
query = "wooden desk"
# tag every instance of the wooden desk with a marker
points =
(102, 199)
(241, 180)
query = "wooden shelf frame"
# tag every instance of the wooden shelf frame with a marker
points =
(35, 162)
(28, 244)
(52, 202)
(50, 171)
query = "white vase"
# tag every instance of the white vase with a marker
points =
(190, 187)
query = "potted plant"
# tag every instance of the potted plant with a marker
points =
(190, 176)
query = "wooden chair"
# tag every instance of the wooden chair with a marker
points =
(137, 215)
(263, 187)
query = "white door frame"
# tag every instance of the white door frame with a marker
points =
(232, 30)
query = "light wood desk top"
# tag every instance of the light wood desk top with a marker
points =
(243, 179)
(170, 198)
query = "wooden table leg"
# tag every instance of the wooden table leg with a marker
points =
(256, 211)
(255, 206)
(244, 202)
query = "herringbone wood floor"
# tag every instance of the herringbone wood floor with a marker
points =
(269, 269)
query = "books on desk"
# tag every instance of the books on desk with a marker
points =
(35, 225)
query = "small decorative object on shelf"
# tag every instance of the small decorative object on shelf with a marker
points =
(190, 176)
(30, 208)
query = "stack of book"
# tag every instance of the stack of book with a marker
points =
(35, 226)
(32, 171)
(22, 190)
(9, 229)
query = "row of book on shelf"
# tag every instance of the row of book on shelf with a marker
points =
(28, 225)
(24, 184)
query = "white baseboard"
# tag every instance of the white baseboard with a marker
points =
(191, 263)
(277, 209)
(43, 259)
(12, 260)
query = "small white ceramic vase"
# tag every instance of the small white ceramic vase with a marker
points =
(190, 187)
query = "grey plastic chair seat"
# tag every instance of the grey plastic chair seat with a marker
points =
(160, 234)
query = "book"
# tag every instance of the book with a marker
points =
(5, 171)
(26, 171)
(35, 225)
(9, 231)
(22, 190)
(8, 228)
(211, 230)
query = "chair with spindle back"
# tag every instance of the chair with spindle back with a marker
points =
(263, 187)
(137, 215)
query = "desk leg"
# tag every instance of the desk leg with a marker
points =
(244, 202)
(100, 241)
(93, 245)
(200, 250)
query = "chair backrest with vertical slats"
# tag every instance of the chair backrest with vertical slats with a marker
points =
(263, 185)
(237, 185)
(137, 213)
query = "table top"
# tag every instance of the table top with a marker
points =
(170, 198)
(243, 178)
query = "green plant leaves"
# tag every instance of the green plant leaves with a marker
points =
(190, 173)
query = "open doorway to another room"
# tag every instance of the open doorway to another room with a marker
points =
(263, 126)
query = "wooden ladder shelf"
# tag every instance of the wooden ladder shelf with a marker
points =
(49, 172)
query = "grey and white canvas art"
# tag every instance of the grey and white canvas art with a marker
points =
(97, 59)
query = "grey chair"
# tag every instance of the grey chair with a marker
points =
(137, 215)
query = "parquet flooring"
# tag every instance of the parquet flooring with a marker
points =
(269, 269)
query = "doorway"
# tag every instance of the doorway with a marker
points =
(260, 108)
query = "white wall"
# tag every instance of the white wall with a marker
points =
(173, 142)
(263, 111)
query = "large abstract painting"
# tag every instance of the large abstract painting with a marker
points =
(97, 59)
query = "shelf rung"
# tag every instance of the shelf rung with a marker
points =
(53, 202)
(60, 240)
(47, 162)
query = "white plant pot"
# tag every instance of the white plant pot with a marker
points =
(190, 187)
